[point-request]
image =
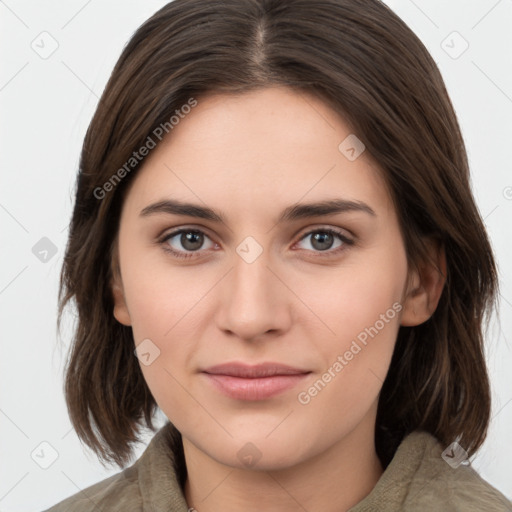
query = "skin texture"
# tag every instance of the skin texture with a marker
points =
(250, 156)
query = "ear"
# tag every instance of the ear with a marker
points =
(425, 285)
(121, 313)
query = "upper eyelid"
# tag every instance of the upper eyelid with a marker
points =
(176, 231)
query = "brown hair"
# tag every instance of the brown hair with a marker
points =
(366, 64)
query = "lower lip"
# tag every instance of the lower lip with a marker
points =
(255, 388)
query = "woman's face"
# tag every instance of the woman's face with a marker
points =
(267, 284)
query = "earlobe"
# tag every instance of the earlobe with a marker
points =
(121, 313)
(425, 287)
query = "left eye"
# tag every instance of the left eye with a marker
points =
(192, 240)
(322, 240)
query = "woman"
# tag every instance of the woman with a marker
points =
(274, 241)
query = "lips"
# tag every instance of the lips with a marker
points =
(254, 382)
(254, 371)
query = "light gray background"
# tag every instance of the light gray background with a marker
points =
(46, 105)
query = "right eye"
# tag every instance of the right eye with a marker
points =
(189, 239)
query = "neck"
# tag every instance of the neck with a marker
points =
(334, 480)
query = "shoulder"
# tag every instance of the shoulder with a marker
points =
(420, 479)
(151, 483)
(120, 492)
(441, 482)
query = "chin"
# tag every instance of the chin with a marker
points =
(254, 449)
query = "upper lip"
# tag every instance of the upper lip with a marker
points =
(253, 371)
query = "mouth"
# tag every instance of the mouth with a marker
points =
(245, 382)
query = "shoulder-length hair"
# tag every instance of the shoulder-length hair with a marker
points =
(362, 60)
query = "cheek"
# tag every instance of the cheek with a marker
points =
(358, 297)
(162, 306)
(166, 317)
(160, 296)
(165, 305)
(355, 364)
(361, 308)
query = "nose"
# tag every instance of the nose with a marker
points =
(254, 301)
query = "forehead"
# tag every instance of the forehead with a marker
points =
(257, 149)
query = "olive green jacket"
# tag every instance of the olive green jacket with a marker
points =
(417, 479)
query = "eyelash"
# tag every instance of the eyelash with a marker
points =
(327, 253)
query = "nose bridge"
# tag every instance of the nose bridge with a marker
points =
(250, 273)
(253, 301)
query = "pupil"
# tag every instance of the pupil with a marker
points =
(321, 238)
(191, 238)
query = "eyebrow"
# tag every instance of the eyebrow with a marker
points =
(291, 213)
